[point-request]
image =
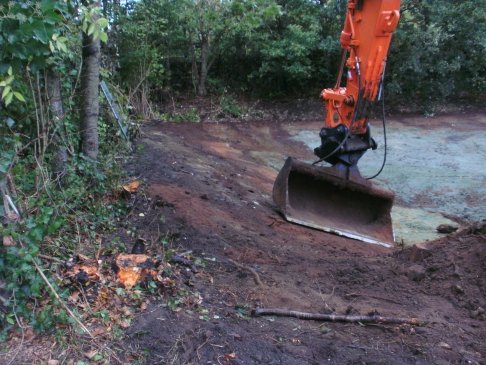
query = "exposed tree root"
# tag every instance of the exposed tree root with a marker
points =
(335, 317)
(253, 272)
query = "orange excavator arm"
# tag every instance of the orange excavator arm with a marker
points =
(338, 199)
(365, 41)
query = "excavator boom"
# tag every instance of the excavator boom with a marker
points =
(338, 199)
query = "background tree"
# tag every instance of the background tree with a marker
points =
(291, 47)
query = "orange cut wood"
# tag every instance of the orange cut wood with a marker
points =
(133, 268)
(132, 186)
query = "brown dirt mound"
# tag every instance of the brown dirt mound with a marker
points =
(455, 268)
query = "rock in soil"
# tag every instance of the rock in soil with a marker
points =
(446, 228)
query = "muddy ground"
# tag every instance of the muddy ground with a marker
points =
(208, 190)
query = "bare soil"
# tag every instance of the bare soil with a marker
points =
(208, 190)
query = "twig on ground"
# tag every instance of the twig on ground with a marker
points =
(252, 271)
(336, 317)
(50, 258)
(201, 346)
(73, 316)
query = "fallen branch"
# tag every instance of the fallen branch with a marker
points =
(252, 271)
(335, 317)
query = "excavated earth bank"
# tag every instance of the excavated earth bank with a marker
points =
(208, 189)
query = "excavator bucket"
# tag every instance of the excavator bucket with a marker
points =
(319, 197)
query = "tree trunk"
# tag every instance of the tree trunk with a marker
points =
(194, 69)
(90, 80)
(203, 74)
(54, 97)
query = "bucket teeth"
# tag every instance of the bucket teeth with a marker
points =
(319, 198)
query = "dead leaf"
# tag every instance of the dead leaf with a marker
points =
(52, 362)
(29, 333)
(91, 354)
(124, 323)
(12, 216)
(83, 273)
(73, 298)
(167, 282)
(231, 356)
(98, 331)
(235, 335)
(132, 186)
(8, 241)
(126, 311)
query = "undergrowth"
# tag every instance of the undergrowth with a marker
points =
(56, 217)
(189, 115)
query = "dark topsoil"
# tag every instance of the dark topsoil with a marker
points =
(207, 190)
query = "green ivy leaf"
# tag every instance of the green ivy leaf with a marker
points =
(19, 96)
(47, 5)
(61, 46)
(91, 29)
(8, 99)
(103, 22)
(103, 37)
(41, 34)
(37, 234)
(52, 228)
(6, 91)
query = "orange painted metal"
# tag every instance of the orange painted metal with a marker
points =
(366, 37)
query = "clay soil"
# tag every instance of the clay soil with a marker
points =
(207, 189)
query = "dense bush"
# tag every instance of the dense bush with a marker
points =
(291, 47)
(435, 55)
(49, 190)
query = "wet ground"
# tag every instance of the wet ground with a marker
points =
(208, 190)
